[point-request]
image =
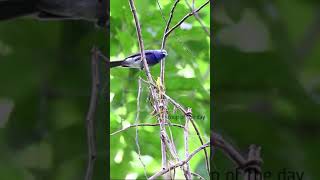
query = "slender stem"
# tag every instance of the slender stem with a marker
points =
(136, 122)
(144, 124)
(181, 163)
(187, 173)
(228, 149)
(91, 114)
(164, 38)
(140, 40)
(186, 113)
(185, 18)
(196, 15)
(197, 175)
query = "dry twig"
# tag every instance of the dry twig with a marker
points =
(185, 18)
(91, 114)
(181, 163)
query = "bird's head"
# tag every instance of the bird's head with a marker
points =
(160, 54)
(164, 52)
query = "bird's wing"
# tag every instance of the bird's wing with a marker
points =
(146, 52)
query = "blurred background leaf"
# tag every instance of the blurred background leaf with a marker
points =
(45, 83)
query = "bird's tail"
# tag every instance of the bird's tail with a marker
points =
(12, 9)
(115, 63)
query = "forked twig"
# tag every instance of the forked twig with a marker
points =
(188, 114)
(181, 163)
(196, 15)
(185, 18)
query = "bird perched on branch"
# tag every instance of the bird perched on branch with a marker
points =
(134, 61)
(90, 10)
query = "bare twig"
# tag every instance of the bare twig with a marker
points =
(187, 173)
(228, 149)
(140, 40)
(145, 124)
(197, 175)
(185, 18)
(181, 163)
(162, 65)
(187, 113)
(251, 166)
(196, 15)
(91, 114)
(103, 57)
(136, 122)
(253, 169)
(162, 15)
(168, 24)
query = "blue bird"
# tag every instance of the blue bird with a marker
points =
(134, 61)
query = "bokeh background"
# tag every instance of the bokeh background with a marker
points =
(187, 80)
(45, 83)
(266, 79)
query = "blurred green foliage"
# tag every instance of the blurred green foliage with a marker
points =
(187, 80)
(266, 80)
(45, 83)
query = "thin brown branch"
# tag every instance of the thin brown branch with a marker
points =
(168, 23)
(253, 169)
(181, 163)
(163, 44)
(250, 166)
(103, 57)
(187, 173)
(90, 125)
(201, 141)
(136, 122)
(140, 40)
(228, 149)
(145, 124)
(197, 175)
(196, 15)
(188, 114)
(185, 18)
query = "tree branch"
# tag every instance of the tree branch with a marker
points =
(196, 15)
(185, 18)
(181, 163)
(91, 114)
(163, 44)
(145, 124)
(188, 114)
(187, 173)
(136, 122)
